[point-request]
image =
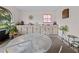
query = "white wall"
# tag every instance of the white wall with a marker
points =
(72, 21)
(37, 16)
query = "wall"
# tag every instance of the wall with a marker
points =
(72, 21)
(37, 16)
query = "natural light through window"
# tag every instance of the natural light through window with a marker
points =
(47, 18)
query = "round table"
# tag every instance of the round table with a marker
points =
(31, 43)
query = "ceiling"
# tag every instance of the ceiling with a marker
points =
(36, 8)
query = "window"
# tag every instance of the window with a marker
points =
(65, 13)
(47, 18)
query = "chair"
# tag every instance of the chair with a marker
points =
(61, 47)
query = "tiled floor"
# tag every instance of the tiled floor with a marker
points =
(2, 46)
(56, 43)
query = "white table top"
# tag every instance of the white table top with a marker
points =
(29, 43)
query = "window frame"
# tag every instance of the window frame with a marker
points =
(48, 21)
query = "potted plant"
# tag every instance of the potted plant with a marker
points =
(64, 29)
(5, 22)
(11, 29)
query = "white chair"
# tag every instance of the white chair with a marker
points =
(61, 47)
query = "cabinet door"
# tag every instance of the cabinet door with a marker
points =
(30, 29)
(19, 28)
(55, 29)
(49, 29)
(24, 29)
(43, 29)
(37, 29)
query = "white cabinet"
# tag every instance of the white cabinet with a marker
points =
(42, 29)
(30, 29)
(55, 29)
(37, 28)
(22, 29)
(49, 29)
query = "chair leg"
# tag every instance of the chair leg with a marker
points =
(60, 49)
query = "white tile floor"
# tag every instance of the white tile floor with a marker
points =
(2, 46)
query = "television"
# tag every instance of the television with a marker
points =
(3, 35)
